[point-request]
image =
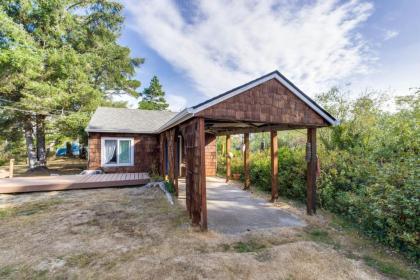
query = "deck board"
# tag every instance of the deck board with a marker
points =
(69, 182)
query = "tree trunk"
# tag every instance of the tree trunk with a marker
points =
(41, 154)
(30, 149)
(69, 149)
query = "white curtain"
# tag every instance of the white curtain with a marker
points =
(110, 150)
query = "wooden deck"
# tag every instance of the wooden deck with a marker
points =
(70, 182)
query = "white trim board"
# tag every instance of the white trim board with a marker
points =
(118, 145)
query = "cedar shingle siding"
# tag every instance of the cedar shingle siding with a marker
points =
(146, 152)
(268, 102)
(210, 155)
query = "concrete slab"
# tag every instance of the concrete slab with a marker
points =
(232, 210)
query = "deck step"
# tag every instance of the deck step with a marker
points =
(71, 182)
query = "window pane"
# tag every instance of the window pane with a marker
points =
(110, 151)
(125, 152)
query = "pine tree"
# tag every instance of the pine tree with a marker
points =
(58, 65)
(153, 97)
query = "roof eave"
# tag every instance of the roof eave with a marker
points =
(179, 118)
(118, 131)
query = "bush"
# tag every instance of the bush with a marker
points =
(169, 187)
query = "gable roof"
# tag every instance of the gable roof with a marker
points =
(190, 112)
(123, 120)
(273, 75)
(148, 121)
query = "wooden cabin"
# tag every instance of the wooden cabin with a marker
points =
(184, 143)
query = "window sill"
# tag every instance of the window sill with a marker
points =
(117, 165)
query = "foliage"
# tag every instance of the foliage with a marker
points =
(61, 59)
(369, 167)
(153, 97)
(169, 187)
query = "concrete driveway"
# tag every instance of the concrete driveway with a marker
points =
(231, 210)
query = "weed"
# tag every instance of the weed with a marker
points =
(28, 208)
(6, 271)
(6, 212)
(390, 268)
(319, 235)
(81, 260)
(322, 236)
(169, 187)
(225, 247)
(22, 272)
(249, 246)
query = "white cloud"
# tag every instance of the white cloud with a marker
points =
(132, 102)
(226, 43)
(176, 103)
(389, 34)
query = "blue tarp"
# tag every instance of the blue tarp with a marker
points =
(61, 152)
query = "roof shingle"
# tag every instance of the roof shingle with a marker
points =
(124, 120)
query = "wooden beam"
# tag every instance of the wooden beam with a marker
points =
(311, 172)
(227, 158)
(247, 182)
(202, 143)
(265, 128)
(274, 165)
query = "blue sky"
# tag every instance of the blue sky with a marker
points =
(199, 49)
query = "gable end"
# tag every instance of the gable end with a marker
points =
(269, 101)
(200, 109)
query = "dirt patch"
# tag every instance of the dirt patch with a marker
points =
(134, 233)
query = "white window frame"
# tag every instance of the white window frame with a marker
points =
(118, 164)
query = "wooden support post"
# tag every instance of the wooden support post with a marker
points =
(202, 143)
(171, 156)
(247, 182)
(274, 165)
(227, 158)
(161, 158)
(11, 166)
(311, 172)
(176, 164)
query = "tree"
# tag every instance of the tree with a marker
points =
(153, 97)
(20, 68)
(60, 60)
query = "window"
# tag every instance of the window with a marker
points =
(117, 151)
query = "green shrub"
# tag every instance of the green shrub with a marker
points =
(169, 187)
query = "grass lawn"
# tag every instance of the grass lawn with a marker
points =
(60, 166)
(134, 233)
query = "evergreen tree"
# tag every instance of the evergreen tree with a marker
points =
(153, 97)
(60, 60)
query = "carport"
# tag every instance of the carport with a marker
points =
(270, 103)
